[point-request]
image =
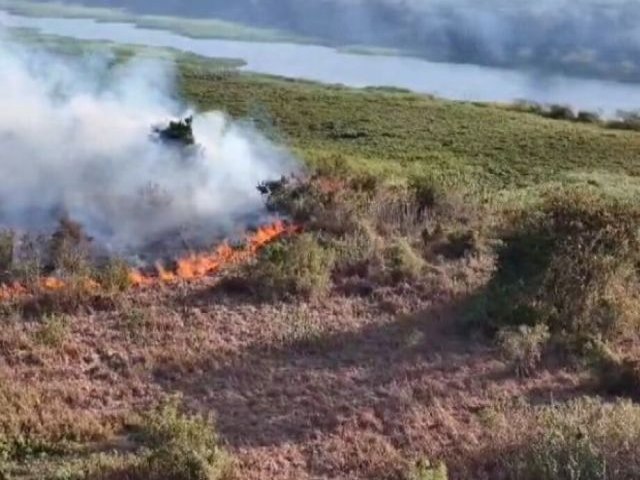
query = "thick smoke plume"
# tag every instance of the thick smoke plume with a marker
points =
(75, 142)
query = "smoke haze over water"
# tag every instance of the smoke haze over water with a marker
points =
(75, 140)
(597, 38)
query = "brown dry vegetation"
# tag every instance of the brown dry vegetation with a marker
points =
(337, 353)
(413, 330)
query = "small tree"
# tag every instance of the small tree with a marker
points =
(178, 133)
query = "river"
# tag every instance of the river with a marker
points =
(327, 65)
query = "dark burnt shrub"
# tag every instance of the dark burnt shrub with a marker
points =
(560, 112)
(587, 117)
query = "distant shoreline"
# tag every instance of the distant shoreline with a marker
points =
(191, 28)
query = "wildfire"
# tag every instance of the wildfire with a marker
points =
(192, 267)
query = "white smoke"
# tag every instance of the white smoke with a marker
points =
(75, 140)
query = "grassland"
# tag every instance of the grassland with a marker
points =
(422, 317)
(483, 148)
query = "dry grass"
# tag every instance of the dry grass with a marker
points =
(299, 391)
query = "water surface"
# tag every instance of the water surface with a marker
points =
(323, 64)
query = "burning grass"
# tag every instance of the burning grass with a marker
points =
(78, 279)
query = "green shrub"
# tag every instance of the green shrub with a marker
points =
(522, 346)
(458, 244)
(7, 239)
(115, 276)
(427, 192)
(53, 331)
(135, 321)
(614, 373)
(180, 447)
(173, 446)
(403, 262)
(302, 200)
(570, 265)
(425, 470)
(528, 107)
(359, 253)
(375, 228)
(583, 440)
(298, 266)
(177, 133)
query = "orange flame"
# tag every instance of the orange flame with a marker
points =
(190, 268)
(202, 265)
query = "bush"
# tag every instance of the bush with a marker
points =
(625, 121)
(583, 440)
(115, 276)
(523, 346)
(298, 266)
(174, 446)
(7, 240)
(427, 192)
(425, 470)
(614, 374)
(570, 265)
(403, 262)
(587, 117)
(378, 231)
(177, 133)
(560, 112)
(181, 447)
(53, 331)
(68, 249)
(359, 253)
(454, 245)
(528, 107)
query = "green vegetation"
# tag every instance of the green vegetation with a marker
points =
(168, 444)
(523, 346)
(400, 135)
(424, 470)
(624, 121)
(53, 331)
(584, 439)
(570, 265)
(404, 263)
(115, 276)
(298, 267)
(180, 447)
